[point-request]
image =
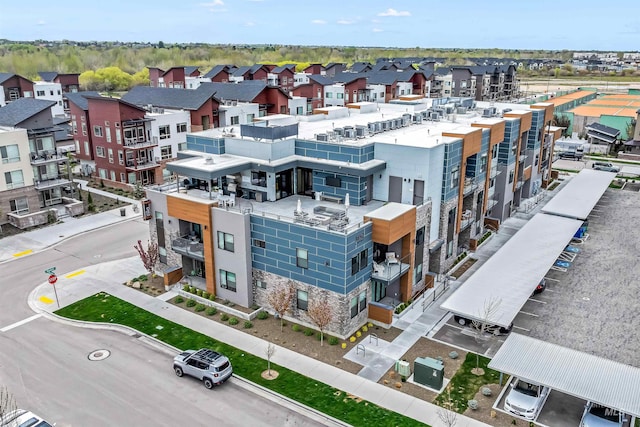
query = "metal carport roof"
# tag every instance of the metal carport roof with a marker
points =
(580, 195)
(513, 272)
(572, 372)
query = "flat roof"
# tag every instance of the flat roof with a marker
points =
(570, 97)
(601, 110)
(580, 195)
(630, 170)
(390, 211)
(509, 277)
(573, 372)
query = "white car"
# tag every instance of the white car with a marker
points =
(23, 418)
(526, 399)
(600, 416)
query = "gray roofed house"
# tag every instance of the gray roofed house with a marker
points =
(360, 67)
(48, 76)
(186, 99)
(22, 109)
(321, 80)
(189, 69)
(600, 133)
(241, 71)
(347, 78)
(218, 69)
(278, 70)
(5, 76)
(79, 98)
(245, 91)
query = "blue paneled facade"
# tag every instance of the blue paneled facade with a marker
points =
(355, 186)
(337, 152)
(477, 164)
(506, 154)
(452, 162)
(329, 253)
(537, 123)
(205, 144)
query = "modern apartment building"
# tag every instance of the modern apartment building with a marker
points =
(359, 205)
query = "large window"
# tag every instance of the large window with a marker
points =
(14, 179)
(10, 153)
(360, 261)
(455, 176)
(302, 258)
(225, 241)
(97, 131)
(110, 151)
(100, 151)
(165, 152)
(181, 127)
(165, 132)
(358, 304)
(235, 120)
(302, 300)
(228, 280)
(19, 206)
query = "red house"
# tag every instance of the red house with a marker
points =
(174, 77)
(220, 73)
(69, 82)
(78, 106)
(313, 91)
(314, 69)
(15, 87)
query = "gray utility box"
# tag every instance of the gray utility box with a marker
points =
(429, 372)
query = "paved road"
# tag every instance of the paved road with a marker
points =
(45, 364)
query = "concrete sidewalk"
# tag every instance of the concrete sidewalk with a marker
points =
(109, 277)
(26, 243)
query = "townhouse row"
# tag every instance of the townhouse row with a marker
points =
(361, 205)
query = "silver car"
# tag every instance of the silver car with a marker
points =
(600, 416)
(526, 399)
(605, 166)
(211, 367)
(22, 418)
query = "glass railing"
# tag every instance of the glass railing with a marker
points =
(188, 246)
(391, 268)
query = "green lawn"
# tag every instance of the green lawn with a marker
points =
(464, 385)
(103, 307)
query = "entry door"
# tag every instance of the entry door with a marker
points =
(395, 189)
(378, 290)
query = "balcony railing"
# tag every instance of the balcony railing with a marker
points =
(519, 184)
(491, 203)
(131, 165)
(389, 270)
(44, 183)
(43, 157)
(494, 172)
(188, 247)
(141, 142)
(522, 157)
(470, 185)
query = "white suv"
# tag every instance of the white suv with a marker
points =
(600, 416)
(210, 367)
(22, 418)
(526, 399)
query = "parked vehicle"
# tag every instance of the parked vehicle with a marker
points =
(492, 329)
(605, 166)
(22, 418)
(526, 399)
(570, 155)
(541, 287)
(210, 367)
(600, 416)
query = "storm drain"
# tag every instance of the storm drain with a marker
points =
(99, 355)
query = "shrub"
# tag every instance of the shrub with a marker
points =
(295, 327)
(364, 328)
(247, 324)
(308, 332)
(192, 290)
(263, 315)
(185, 288)
(224, 317)
(212, 297)
(233, 321)
(358, 334)
(473, 404)
(206, 295)
(344, 345)
(200, 307)
(211, 311)
(143, 278)
(334, 341)
(352, 339)
(178, 300)
(191, 303)
(199, 292)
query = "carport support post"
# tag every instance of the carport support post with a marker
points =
(501, 374)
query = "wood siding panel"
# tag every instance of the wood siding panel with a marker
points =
(380, 314)
(527, 173)
(525, 119)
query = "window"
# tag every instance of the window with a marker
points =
(455, 175)
(121, 157)
(165, 132)
(302, 300)
(302, 258)
(108, 134)
(259, 178)
(19, 206)
(227, 280)
(84, 128)
(259, 243)
(123, 177)
(235, 120)
(100, 152)
(360, 261)
(329, 95)
(118, 135)
(97, 131)
(182, 146)
(110, 151)
(340, 95)
(225, 241)
(261, 284)
(511, 174)
(362, 301)
(87, 152)
(299, 110)
(420, 236)
(162, 254)
(284, 80)
(40, 93)
(14, 179)
(181, 127)
(250, 118)
(353, 307)
(165, 152)
(51, 92)
(10, 153)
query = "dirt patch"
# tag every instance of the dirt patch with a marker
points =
(490, 416)
(464, 267)
(425, 348)
(269, 375)
(307, 344)
(153, 286)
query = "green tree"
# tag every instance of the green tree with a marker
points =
(141, 78)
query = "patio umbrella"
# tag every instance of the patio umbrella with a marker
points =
(299, 207)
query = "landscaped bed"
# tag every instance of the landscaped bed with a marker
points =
(103, 307)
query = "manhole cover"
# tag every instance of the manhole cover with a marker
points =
(99, 355)
(97, 256)
(586, 299)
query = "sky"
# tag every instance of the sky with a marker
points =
(612, 25)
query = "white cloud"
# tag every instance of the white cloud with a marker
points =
(345, 22)
(214, 6)
(377, 30)
(393, 12)
(250, 24)
(319, 22)
(41, 22)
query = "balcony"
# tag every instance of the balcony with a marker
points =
(519, 184)
(142, 165)
(390, 269)
(140, 142)
(491, 203)
(188, 246)
(46, 156)
(45, 183)
(494, 172)
(470, 185)
(522, 157)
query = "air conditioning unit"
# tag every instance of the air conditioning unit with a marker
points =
(372, 127)
(486, 112)
(434, 116)
(417, 118)
(349, 133)
(461, 110)
(406, 119)
(339, 131)
(362, 131)
(322, 137)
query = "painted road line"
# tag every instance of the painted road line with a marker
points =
(522, 329)
(537, 300)
(46, 300)
(23, 253)
(20, 323)
(77, 273)
(529, 314)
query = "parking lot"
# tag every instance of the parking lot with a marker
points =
(593, 307)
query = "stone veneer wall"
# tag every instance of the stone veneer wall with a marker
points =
(342, 326)
(444, 262)
(423, 219)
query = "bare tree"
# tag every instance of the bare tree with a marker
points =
(280, 300)
(485, 324)
(447, 414)
(148, 256)
(269, 353)
(320, 313)
(7, 402)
